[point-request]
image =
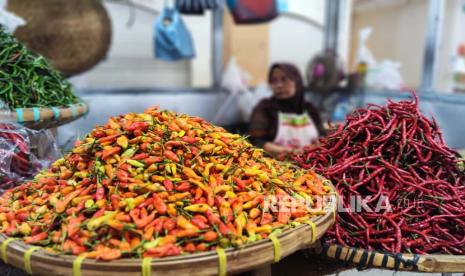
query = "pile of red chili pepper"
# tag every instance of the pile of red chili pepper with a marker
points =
(398, 157)
(156, 184)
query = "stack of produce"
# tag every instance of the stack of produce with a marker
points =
(157, 184)
(398, 157)
(27, 80)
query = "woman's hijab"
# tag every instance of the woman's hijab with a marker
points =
(296, 103)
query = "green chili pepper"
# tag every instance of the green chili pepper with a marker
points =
(27, 80)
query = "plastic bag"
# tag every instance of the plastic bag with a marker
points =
(364, 54)
(8, 19)
(234, 80)
(253, 11)
(23, 153)
(247, 100)
(380, 75)
(173, 40)
(385, 75)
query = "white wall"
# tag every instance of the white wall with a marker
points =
(295, 40)
(399, 31)
(201, 31)
(290, 40)
(453, 33)
(314, 9)
(130, 61)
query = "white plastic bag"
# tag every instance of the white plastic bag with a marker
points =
(247, 100)
(235, 81)
(385, 75)
(8, 19)
(364, 54)
(234, 78)
(380, 75)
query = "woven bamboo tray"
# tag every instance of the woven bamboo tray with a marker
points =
(439, 263)
(44, 118)
(250, 257)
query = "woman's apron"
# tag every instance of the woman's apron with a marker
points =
(295, 130)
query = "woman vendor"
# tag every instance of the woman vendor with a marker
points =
(284, 122)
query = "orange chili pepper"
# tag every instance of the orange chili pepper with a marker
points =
(60, 206)
(171, 156)
(36, 238)
(110, 152)
(159, 204)
(210, 236)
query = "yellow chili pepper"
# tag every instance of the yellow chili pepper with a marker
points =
(302, 219)
(264, 229)
(172, 209)
(100, 203)
(222, 188)
(173, 169)
(214, 135)
(157, 178)
(122, 141)
(220, 167)
(97, 222)
(198, 208)
(185, 224)
(207, 148)
(206, 171)
(199, 184)
(248, 205)
(240, 222)
(135, 163)
(81, 174)
(89, 203)
(257, 186)
(277, 181)
(230, 194)
(252, 172)
(78, 199)
(254, 213)
(113, 124)
(109, 171)
(153, 243)
(129, 152)
(299, 181)
(263, 178)
(190, 173)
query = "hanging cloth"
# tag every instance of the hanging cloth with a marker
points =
(173, 40)
(253, 11)
(195, 7)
